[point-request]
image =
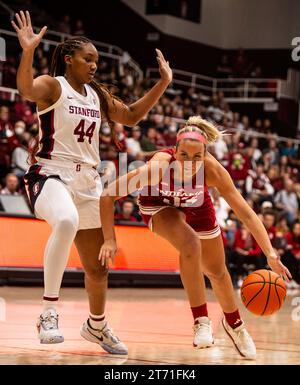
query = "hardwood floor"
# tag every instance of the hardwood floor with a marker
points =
(156, 325)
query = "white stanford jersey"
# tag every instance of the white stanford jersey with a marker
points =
(69, 129)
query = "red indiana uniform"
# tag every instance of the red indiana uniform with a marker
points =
(192, 199)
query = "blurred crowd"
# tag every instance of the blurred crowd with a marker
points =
(265, 170)
(238, 66)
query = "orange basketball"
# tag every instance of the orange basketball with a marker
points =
(263, 292)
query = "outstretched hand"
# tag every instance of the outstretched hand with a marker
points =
(27, 38)
(278, 267)
(164, 68)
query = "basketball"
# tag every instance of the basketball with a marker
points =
(263, 292)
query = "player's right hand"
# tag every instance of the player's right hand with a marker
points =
(278, 267)
(108, 251)
(27, 38)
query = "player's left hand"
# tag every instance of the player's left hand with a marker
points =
(27, 38)
(164, 68)
(108, 251)
(278, 267)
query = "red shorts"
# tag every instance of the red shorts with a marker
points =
(201, 219)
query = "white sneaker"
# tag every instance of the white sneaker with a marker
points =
(104, 337)
(203, 334)
(241, 340)
(47, 326)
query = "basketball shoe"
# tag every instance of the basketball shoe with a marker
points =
(104, 337)
(47, 326)
(241, 340)
(203, 335)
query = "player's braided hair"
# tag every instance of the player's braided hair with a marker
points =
(58, 68)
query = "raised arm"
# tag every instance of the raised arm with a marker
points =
(147, 175)
(44, 89)
(132, 114)
(217, 176)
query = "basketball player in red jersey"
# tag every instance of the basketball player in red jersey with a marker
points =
(63, 184)
(175, 203)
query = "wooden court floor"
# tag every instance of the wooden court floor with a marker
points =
(156, 324)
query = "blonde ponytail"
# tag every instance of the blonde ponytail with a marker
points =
(204, 127)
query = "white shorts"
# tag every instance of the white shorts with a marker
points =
(82, 182)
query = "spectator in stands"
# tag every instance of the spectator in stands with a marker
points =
(238, 165)
(282, 226)
(286, 201)
(224, 68)
(214, 111)
(221, 206)
(258, 186)
(288, 149)
(273, 151)
(133, 144)
(170, 134)
(65, 25)
(280, 243)
(127, 79)
(293, 239)
(284, 166)
(244, 124)
(44, 70)
(126, 212)
(275, 178)
(158, 116)
(221, 99)
(230, 231)
(267, 126)
(220, 148)
(79, 29)
(19, 158)
(235, 120)
(105, 140)
(149, 142)
(187, 108)
(292, 257)
(255, 86)
(112, 154)
(19, 128)
(258, 125)
(11, 185)
(228, 114)
(253, 151)
(8, 141)
(145, 124)
(6, 126)
(192, 95)
(9, 72)
(247, 252)
(38, 55)
(269, 219)
(267, 206)
(240, 64)
(23, 111)
(297, 191)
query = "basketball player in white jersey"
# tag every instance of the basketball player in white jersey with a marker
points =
(62, 182)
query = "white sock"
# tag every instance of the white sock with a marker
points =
(97, 321)
(49, 305)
